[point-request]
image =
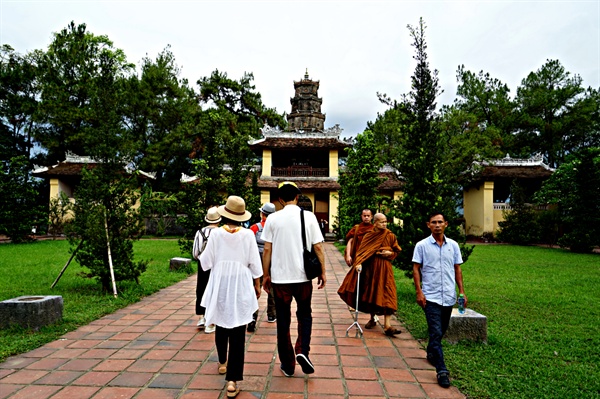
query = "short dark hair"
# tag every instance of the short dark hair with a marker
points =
(432, 214)
(288, 192)
(367, 209)
(226, 220)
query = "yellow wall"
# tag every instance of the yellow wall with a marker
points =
(333, 163)
(498, 217)
(397, 196)
(265, 196)
(478, 208)
(267, 162)
(54, 191)
(333, 207)
(473, 211)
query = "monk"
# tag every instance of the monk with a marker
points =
(356, 234)
(377, 285)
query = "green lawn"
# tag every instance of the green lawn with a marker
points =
(30, 269)
(543, 312)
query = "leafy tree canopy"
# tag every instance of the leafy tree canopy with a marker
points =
(359, 182)
(71, 74)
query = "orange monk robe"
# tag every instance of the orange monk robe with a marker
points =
(377, 283)
(357, 233)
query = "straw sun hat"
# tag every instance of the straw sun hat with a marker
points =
(235, 209)
(212, 216)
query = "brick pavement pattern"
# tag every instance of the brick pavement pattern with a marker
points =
(152, 349)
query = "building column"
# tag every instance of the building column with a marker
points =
(488, 207)
(267, 162)
(333, 163)
(333, 207)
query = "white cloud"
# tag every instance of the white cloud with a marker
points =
(354, 48)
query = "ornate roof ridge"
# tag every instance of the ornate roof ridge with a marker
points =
(535, 160)
(276, 132)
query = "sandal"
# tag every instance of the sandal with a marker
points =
(391, 331)
(232, 389)
(370, 324)
(223, 368)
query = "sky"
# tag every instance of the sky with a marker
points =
(355, 49)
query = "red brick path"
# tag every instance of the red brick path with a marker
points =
(152, 349)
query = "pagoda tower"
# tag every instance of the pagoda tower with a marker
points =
(307, 154)
(306, 115)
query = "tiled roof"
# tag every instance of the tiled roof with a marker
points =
(74, 169)
(391, 181)
(522, 172)
(63, 169)
(295, 142)
(303, 183)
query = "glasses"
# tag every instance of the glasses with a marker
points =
(287, 182)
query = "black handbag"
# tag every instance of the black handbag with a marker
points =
(312, 265)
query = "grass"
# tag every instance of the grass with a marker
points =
(543, 312)
(30, 269)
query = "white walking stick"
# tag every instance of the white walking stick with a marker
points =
(355, 324)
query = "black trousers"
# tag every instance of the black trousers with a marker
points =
(201, 283)
(438, 320)
(233, 339)
(284, 294)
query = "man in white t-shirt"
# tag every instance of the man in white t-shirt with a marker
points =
(283, 268)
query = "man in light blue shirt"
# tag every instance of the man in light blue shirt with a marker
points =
(436, 272)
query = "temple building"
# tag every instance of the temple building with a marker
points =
(488, 197)
(307, 154)
(65, 176)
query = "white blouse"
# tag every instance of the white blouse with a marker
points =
(234, 261)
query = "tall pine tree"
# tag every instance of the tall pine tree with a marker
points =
(422, 158)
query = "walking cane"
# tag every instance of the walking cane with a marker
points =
(355, 324)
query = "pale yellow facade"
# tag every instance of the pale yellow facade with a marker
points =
(481, 214)
(333, 164)
(267, 162)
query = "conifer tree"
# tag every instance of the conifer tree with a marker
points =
(422, 157)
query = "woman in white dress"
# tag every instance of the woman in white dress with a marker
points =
(232, 293)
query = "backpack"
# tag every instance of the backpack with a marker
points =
(260, 241)
(205, 233)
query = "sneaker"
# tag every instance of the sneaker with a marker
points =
(286, 373)
(201, 322)
(443, 379)
(210, 329)
(271, 319)
(251, 326)
(305, 363)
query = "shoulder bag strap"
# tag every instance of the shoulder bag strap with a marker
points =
(302, 224)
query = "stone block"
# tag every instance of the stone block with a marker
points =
(469, 325)
(330, 237)
(176, 264)
(32, 311)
